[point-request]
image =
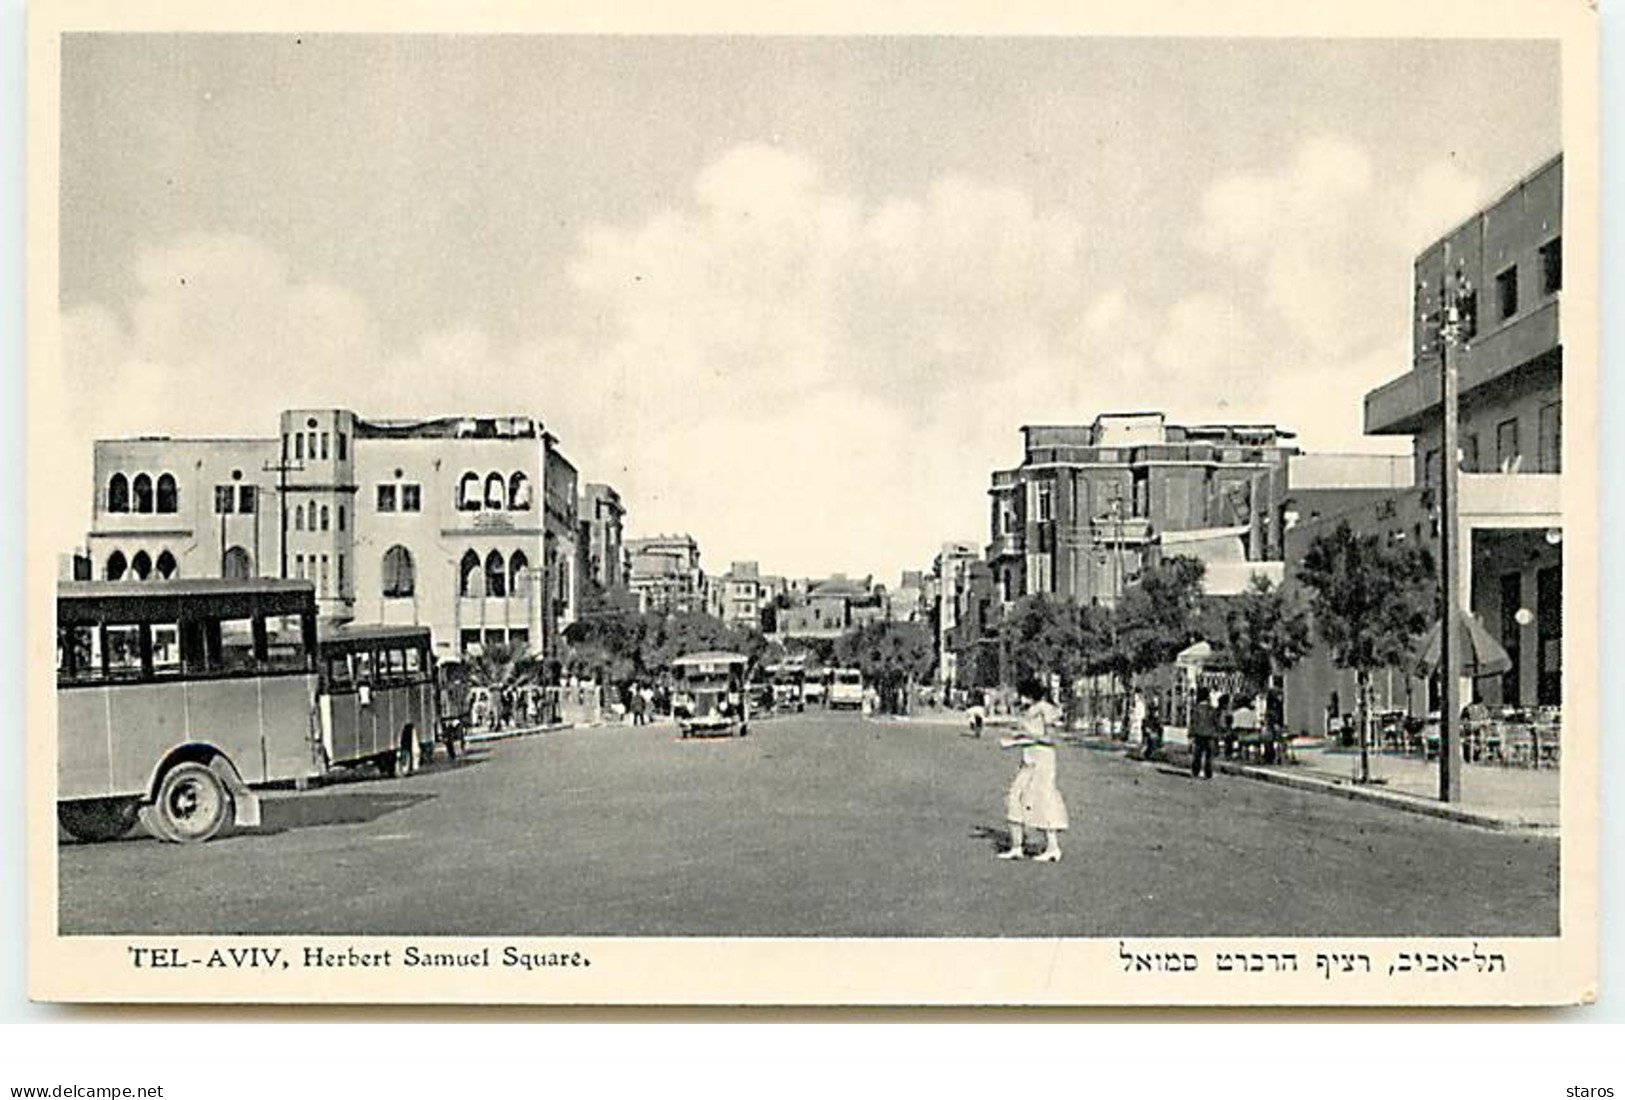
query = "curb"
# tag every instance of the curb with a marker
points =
(509, 735)
(1391, 799)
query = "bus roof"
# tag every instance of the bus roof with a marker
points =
(710, 657)
(167, 601)
(342, 634)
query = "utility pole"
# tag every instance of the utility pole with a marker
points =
(1451, 336)
(282, 467)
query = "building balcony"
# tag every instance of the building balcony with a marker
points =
(1511, 500)
(1405, 405)
(1004, 546)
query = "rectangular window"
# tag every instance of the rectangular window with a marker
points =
(310, 445)
(338, 672)
(344, 445)
(166, 649)
(299, 447)
(323, 589)
(1469, 452)
(386, 498)
(324, 446)
(1551, 438)
(341, 574)
(247, 499)
(1506, 291)
(299, 566)
(78, 654)
(1507, 458)
(411, 498)
(123, 652)
(1046, 503)
(223, 500)
(1551, 266)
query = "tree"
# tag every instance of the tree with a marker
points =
(1044, 640)
(1264, 632)
(1159, 615)
(1371, 602)
(610, 646)
(891, 656)
(503, 668)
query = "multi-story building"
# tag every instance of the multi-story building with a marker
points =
(737, 597)
(951, 573)
(830, 607)
(603, 564)
(665, 574)
(1510, 412)
(466, 525)
(1080, 516)
(906, 602)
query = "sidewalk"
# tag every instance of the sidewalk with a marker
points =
(1493, 796)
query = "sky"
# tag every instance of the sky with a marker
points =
(794, 296)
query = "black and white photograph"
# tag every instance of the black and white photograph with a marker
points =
(507, 498)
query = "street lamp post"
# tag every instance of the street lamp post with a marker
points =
(1452, 299)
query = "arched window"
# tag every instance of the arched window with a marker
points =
(519, 492)
(118, 495)
(468, 576)
(168, 495)
(116, 566)
(468, 492)
(143, 493)
(166, 563)
(312, 511)
(236, 565)
(496, 491)
(496, 575)
(141, 565)
(325, 517)
(298, 517)
(399, 579)
(519, 573)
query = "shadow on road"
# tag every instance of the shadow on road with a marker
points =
(349, 808)
(998, 838)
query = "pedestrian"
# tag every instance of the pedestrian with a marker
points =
(1136, 717)
(646, 697)
(636, 704)
(1034, 800)
(1151, 744)
(978, 718)
(1204, 735)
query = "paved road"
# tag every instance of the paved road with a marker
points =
(814, 825)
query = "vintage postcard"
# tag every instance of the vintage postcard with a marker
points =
(930, 505)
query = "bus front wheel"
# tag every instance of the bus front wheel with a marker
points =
(193, 805)
(98, 818)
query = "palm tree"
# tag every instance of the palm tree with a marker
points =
(503, 668)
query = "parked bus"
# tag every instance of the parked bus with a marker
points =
(176, 698)
(787, 685)
(379, 697)
(846, 689)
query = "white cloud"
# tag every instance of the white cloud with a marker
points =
(798, 374)
(1325, 242)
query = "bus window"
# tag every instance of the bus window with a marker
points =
(338, 672)
(285, 644)
(363, 667)
(414, 662)
(397, 664)
(78, 655)
(123, 652)
(233, 648)
(166, 649)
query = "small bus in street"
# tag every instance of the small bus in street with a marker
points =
(176, 698)
(787, 681)
(379, 697)
(709, 694)
(846, 689)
